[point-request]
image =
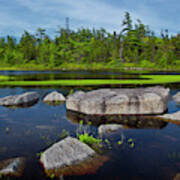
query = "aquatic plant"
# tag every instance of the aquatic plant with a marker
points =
(7, 130)
(71, 92)
(89, 139)
(83, 134)
(120, 142)
(131, 143)
(47, 140)
(64, 133)
(39, 154)
(52, 176)
(108, 143)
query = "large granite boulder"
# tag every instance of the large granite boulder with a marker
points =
(54, 97)
(70, 156)
(152, 100)
(176, 97)
(12, 167)
(26, 99)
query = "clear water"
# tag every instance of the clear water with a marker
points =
(155, 156)
(53, 75)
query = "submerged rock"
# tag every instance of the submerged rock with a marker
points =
(152, 100)
(128, 121)
(45, 127)
(109, 128)
(174, 117)
(12, 167)
(70, 156)
(176, 97)
(54, 98)
(26, 99)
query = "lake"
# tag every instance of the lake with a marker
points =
(25, 132)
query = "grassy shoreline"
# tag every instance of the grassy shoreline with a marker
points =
(146, 80)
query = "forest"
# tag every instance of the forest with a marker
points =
(135, 45)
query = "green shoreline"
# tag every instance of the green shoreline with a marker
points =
(147, 79)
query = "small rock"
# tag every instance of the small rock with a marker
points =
(140, 122)
(176, 97)
(109, 128)
(13, 167)
(54, 97)
(25, 99)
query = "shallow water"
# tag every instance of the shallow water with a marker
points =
(28, 131)
(54, 75)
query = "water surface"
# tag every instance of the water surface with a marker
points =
(29, 131)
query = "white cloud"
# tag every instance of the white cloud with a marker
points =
(87, 13)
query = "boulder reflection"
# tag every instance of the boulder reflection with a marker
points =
(137, 122)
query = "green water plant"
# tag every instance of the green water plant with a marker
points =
(64, 133)
(120, 142)
(131, 143)
(52, 176)
(89, 139)
(39, 154)
(7, 130)
(84, 136)
(108, 143)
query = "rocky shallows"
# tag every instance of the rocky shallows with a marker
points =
(25, 99)
(127, 101)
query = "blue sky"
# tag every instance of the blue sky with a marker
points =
(19, 15)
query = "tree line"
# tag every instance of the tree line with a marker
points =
(135, 44)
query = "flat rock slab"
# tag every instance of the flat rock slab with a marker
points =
(54, 97)
(12, 167)
(109, 128)
(65, 153)
(26, 99)
(174, 117)
(127, 101)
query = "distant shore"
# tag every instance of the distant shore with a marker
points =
(94, 67)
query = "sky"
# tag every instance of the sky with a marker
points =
(19, 15)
